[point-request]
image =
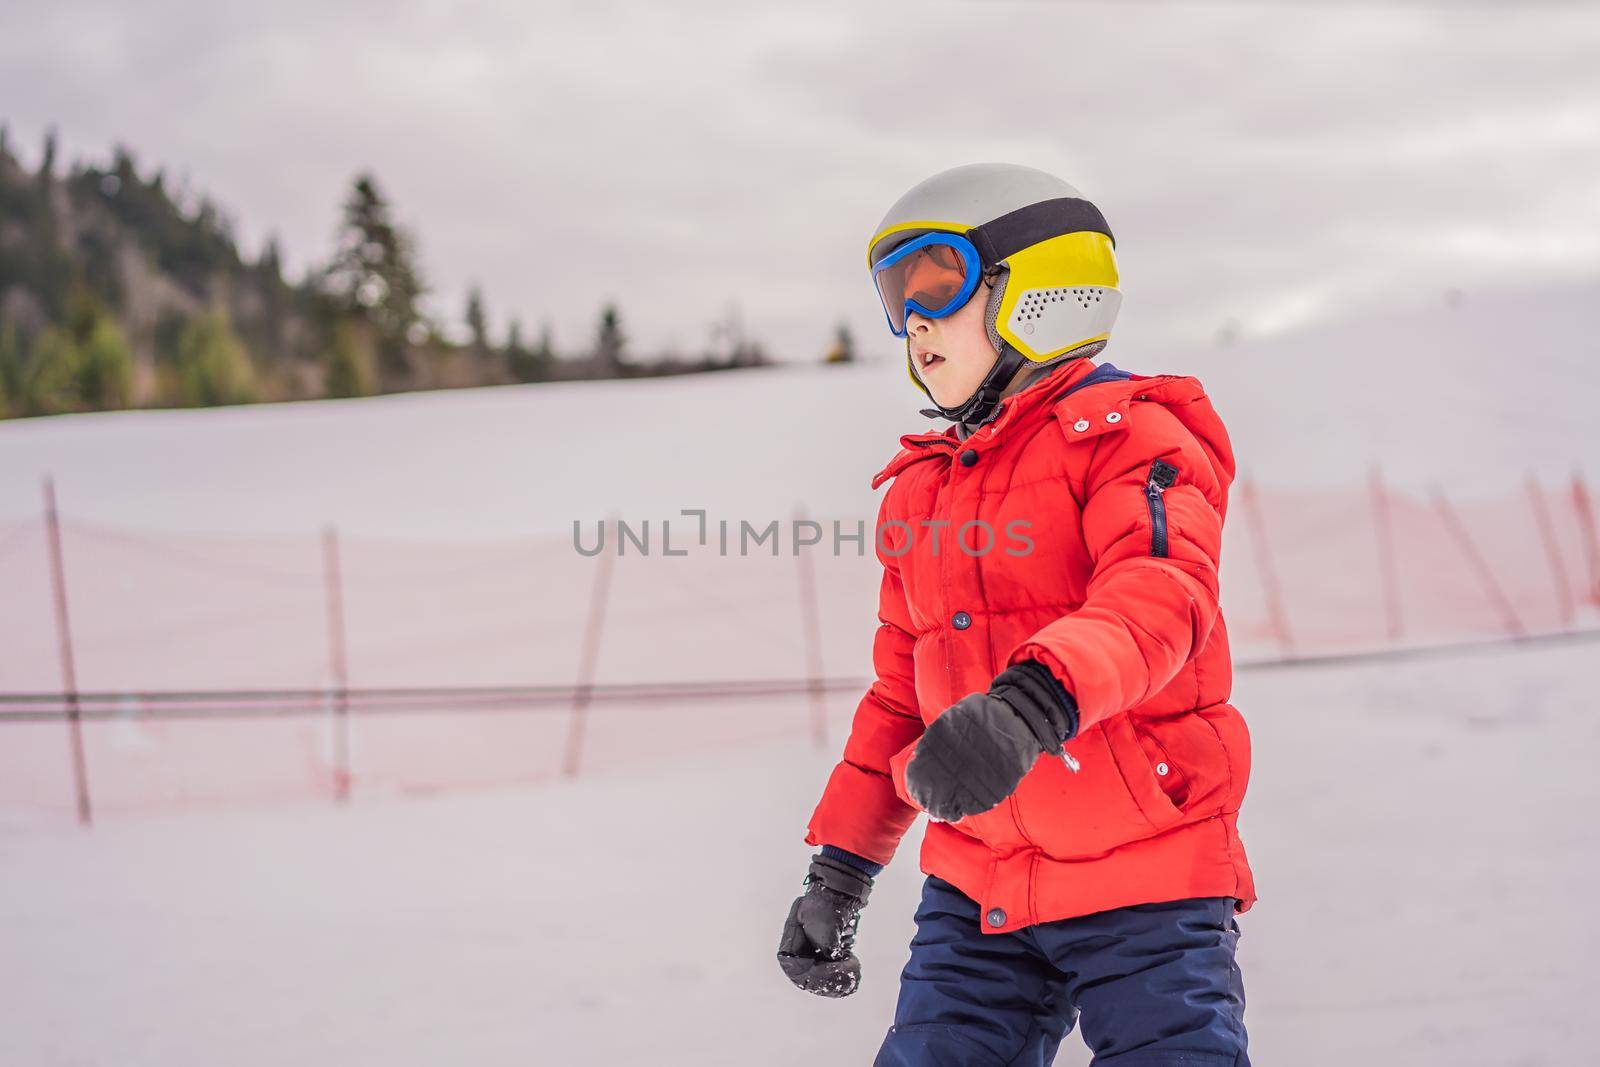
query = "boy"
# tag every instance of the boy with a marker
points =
(1052, 670)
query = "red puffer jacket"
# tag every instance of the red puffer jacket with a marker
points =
(1100, 498)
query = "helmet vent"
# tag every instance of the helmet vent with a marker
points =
(1045, 320)
(1033, 305)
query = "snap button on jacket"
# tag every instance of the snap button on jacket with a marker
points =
(1088, 539)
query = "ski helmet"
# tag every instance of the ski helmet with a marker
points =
(1047, 251)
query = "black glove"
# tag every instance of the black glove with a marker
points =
(815, 950)
(973, 755)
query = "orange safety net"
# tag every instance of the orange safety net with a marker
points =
(229, 668)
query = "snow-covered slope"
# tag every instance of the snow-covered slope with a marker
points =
(1423, 838)
(1422, 831)
(1468, 395)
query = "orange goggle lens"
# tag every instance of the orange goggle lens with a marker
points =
(934, 275)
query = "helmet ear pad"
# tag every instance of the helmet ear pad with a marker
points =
(1060, 296)
(996, 278)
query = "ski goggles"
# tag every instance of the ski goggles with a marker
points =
(933, 275)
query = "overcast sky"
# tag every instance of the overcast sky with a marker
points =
(1263, 163)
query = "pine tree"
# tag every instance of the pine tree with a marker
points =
(529, 365)
(11, 366)
(52, 269)
(266, 333)
(270, 265)
(47, 165)
(609, 343)
(517, 355)
(477, 322)
(374, 269)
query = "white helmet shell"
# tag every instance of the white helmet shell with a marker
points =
(965, 196)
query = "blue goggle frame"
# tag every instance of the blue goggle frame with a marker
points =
(970, 259)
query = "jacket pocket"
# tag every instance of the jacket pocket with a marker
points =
(1205, 762)
(1140, 773)
(1075, 815)
(1170, 772)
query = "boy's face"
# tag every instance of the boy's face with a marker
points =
(951, 355)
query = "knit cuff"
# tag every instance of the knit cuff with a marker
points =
(1041, 700)
(865, 866)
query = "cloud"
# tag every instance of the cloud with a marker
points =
(1259, 164)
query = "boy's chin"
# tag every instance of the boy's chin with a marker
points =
(947, 398)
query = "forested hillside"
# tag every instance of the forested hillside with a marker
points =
(118, 290)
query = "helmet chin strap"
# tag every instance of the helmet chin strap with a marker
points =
(977, 407)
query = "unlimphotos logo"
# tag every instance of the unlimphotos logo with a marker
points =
(742, 537)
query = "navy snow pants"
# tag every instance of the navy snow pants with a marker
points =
(1155, 985)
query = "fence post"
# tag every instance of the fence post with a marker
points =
(811, 621)
(1552, 552)
(589, 655)
(69, 668)
(1497, 596)
(1269, 574)
(333, 582)
(1388, 563)
(1583, 504)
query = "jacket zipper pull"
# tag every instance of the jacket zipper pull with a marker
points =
(1072, 765)
(1162, 475)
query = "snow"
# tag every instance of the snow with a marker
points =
(1468, 396)
(1422, 831)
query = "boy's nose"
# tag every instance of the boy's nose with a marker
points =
(916, 322)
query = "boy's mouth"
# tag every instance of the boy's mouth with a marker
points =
(926, 360)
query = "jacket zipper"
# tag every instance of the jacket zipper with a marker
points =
(1162, 475)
